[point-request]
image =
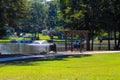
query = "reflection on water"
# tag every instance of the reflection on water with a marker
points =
(12, 48)
(15, 48)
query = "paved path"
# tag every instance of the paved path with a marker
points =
(59, 54)
(88, 52)
(33, 57)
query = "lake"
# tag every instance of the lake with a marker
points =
(16, 48)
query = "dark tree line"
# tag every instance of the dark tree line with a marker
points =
(28, 16)
(97, 16)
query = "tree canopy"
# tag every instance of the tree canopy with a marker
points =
(94, 15)
(11, 11)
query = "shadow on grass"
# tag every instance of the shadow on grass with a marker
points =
(30, 62)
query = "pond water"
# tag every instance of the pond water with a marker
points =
(15, 48)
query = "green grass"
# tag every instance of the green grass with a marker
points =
(84, 67)
(4, 41)
(44, 37)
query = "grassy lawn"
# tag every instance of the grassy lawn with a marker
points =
(44, 37)
(4, 41)
(84, 67)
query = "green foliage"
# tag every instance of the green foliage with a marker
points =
(97, 16)
(42, 15)
(71, 11)
(83, 67)
(59, 28)
(2, 33)
(93, 15)
(37, 13)
(11, 12)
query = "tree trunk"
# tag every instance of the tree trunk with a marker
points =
(88, 44)
(115, 40)
(38, 36)
(108, 40)
(35, 35)
(119, 41)
(92, 42)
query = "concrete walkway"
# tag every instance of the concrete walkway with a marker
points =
(45, 56)
(88, 52)
(59, 54)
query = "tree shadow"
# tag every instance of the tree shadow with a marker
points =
(29, 62)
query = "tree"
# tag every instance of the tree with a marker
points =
(72, 13)
(52, 19)
(95, 15)
(43, 15)
(109, 16)
(11, 11)
(116, 20)
(81, 14)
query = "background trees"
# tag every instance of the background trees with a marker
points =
(11, 11)
(28, 15)
(42, 14)
(97, 16)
